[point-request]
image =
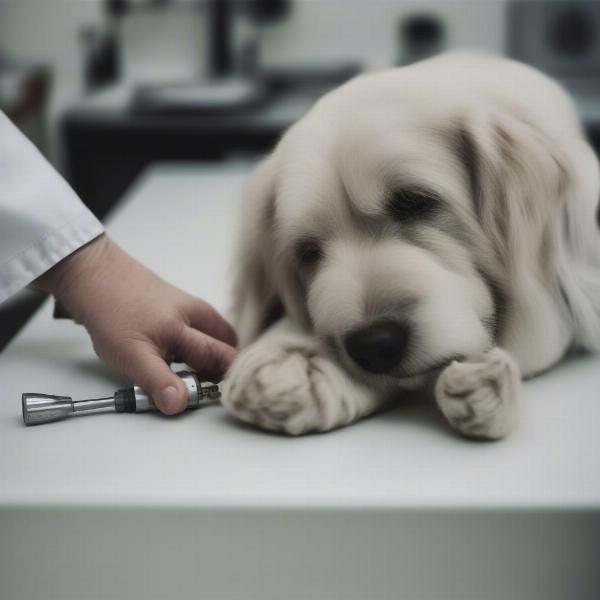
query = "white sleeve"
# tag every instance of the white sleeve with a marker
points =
(41, 218)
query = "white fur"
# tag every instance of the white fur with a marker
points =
(477, 395)
(501, 146)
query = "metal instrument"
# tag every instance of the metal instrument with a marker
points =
(44, 408)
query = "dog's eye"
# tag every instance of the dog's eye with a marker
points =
(308, 252)
(409, 205)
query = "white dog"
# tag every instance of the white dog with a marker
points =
(431, 226)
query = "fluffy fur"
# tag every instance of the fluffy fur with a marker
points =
(457, 196)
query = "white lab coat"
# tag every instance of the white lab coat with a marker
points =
(41, 218)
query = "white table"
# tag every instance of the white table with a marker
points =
(200, 506)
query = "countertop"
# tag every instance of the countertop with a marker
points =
(397, 465)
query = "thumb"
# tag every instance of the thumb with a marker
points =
(150, 371)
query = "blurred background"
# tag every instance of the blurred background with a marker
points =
(107, 87)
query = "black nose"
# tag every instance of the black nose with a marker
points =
(379, 347)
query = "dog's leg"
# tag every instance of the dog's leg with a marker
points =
(479, 395)
(284, 381)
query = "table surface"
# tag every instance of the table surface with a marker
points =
(181, 221)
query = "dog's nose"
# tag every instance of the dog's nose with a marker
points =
(379, 347)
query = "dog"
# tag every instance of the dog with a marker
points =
(426, 227)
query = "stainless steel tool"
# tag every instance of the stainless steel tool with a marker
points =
(43, 408)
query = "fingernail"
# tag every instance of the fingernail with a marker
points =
(169, 398)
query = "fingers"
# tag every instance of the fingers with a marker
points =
(149, 370)
(204, 317)
(209, 357)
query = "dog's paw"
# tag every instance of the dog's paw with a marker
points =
(478, 396)
(290, 389)
(280, 389)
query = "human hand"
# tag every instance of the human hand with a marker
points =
(137, 321)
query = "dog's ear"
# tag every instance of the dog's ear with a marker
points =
(516, 178)
(578, 254)
(535, 199)
(256, 300)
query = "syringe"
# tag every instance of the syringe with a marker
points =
(44, 408)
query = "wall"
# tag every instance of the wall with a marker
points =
(365, 30)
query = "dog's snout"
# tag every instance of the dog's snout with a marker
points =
(379, 347)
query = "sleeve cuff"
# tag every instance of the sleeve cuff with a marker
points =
(21, 269)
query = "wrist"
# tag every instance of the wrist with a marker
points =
(66, 278)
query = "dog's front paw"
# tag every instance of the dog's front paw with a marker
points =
(293, 389)
(478, 396)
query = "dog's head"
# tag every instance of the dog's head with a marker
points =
(396, 224)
